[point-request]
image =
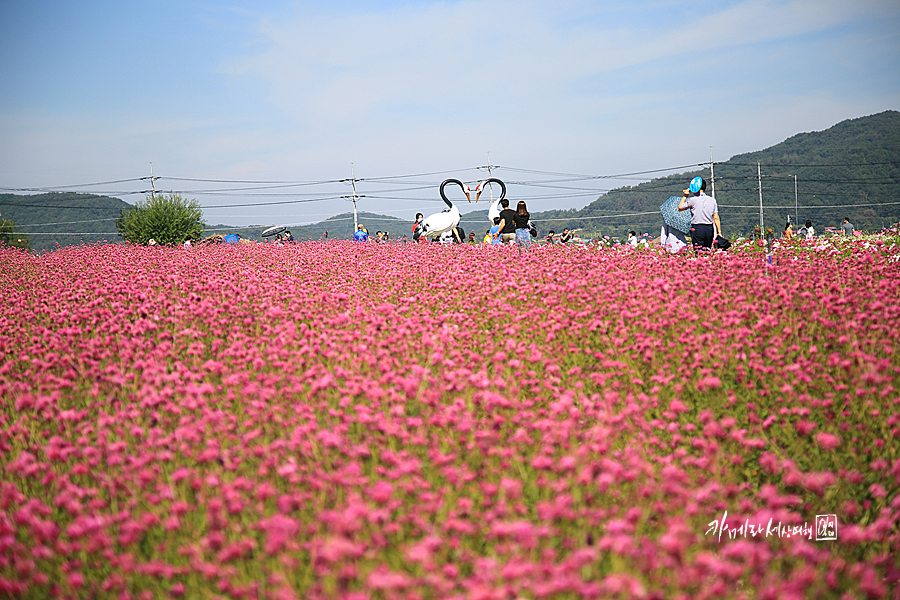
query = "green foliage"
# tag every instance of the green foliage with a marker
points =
(169, 220)
(11, 236)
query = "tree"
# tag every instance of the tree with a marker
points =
(169, 220)
(11, 236)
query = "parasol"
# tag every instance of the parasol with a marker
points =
(274, 230)
(680, 220)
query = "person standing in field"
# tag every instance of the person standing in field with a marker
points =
(507, 223)
(788, 233)
(361, 234)
(705, 224)
(523, 232)
(565, 237)
(847, 228)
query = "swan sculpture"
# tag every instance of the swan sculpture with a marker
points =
(494, 210)
(446, 220)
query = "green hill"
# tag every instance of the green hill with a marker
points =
(63, 218)
(851, 169)
(338, 227)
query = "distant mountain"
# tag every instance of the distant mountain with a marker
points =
(338, 227)
(63, 219)
(851, 169)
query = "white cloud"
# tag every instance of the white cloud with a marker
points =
(462, 58)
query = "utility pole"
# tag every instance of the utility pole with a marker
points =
(490, 169)
(353, 183)
(796, 204)
(152, 182)
(762, 226)
(712, 175)
(354, 197)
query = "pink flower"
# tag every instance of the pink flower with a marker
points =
(280, 530)
(804, 427)
(829, 441)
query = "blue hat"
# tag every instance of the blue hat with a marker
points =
(696, 185)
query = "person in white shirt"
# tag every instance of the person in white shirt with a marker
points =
(705, 224)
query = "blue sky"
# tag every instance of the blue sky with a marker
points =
(295, 92)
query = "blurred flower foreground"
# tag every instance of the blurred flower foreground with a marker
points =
(339, 420)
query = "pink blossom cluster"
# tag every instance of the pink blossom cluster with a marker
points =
(339, 420)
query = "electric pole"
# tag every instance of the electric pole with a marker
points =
(759, 182)
(712, 175)
(490, 169)
(152, 182)
(353, 181)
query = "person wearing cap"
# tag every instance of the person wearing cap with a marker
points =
(705, 224)
(847, 228)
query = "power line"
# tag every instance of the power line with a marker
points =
(275, 203)
(66, 222)
(816, 206)
(294, 183)
(4, 203)
(792, 165)
(580, 176)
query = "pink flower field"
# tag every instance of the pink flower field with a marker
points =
(339, 420)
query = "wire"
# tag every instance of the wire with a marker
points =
(814, 206)
(415, 175)
(865, 164)
(61, 233)
(274, 203)
(47, 191)
(601, 176)
(66, 222)
(3, 203)
(296, 183)
(51, 189)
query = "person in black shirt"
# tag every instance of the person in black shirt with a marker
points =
(566, 236)
(507, 223)
(523, 235)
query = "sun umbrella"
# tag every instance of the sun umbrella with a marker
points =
(680, 220)
(275, 229)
